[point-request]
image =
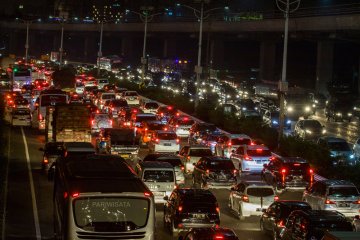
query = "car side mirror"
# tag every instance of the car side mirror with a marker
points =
(41, 149)
(166, 198)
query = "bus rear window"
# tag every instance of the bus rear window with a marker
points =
(50, 100)
(111, 214)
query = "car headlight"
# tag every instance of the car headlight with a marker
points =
(352, 156)
(288, 122)
(308, 131)
(316, 101)
(323, 131)
(275, 122)
(290, 109)
(314, 105)
(307, 109)
(338, 114)
(332, 155)
(349, 114)
(244, 108)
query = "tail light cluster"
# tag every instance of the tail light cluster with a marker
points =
(245, 198)
(247, 158)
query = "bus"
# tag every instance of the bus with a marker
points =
(50, 97)
(100, 197)
(20, 75)
(110, 63)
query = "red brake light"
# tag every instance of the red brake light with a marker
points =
(296, 164)
(218, 236)
(356, 202)
(283, 171)
(74, 195)
(180, 208)
(245, 198)
(40, 117)
(311, 171)
(207, 171)
(276, 198)
(111, 122)
(182, 168)
(229, 144)
(46, 161)
(235, 171)
(271, 158)
(247, 158)
(252, 143)
(92, 122)
(65, 194)
(147, 194)
(185, 118)
(157, 140)
(281, 223)
(176, 125)
(259, 150)
(169, 107)
(327, 201)
(177, 141)
(217, 209)
(177, 114)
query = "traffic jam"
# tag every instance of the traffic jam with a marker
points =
(162, 159)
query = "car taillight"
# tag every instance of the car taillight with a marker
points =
(92, 122)
(157, 140)
(281, 223)
(46, 161)
(356, 202)
(207, 171)
(188, 158)
(311, 171)
(217, 209)
(271, 158)
(245, 198)
(235, 172)
(296, 164)
(276, 198)
(247, 158)
(74, 195)
(111, 122)
(180, 208)
(182, 168)
(218, 236)
(176, 125)
(229, 144)
(147, 194)
(283, 172)
(328, 201)
(40, 117)
(177, 141)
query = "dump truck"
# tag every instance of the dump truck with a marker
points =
(68, 123)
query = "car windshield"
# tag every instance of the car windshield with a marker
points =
(259, 192)
(339, 146)
(240, 141)
(111, 214)
(220, 165)
(151, 105)
(343, 191)
(312, 124)
(259, 152)
(167, 136)
(200, 152)
(173, 161)
(158, 176)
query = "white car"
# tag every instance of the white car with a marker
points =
(21, 117)
(100, 121)
(182, 126)
(164, 141)
(131, 97)
(150, 107)
(249, 198)
(79, 88)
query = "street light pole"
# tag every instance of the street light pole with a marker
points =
(61, 45)
(198, 68)
(143, 59)
(285, 7)
(27, 41)
(100, 47)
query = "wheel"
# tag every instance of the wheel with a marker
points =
(240, 216)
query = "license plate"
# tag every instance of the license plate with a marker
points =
(167, 144)
(159, 193)
(199, 215)
(343, 205)
(124, 155)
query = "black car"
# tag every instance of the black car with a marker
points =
(288, 173)
(187, 208)
(272, 119)
(199, 129)
(214, 172)
(52, 151)
(273, 219)
(339, 111)
(312, 224)
(208, 234)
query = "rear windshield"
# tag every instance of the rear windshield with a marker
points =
(220, 165)
(145, 118)
(167, 136)
(102, 117)
(185, 122)
(339, 146)
(130, 94)
(158, 176)
(260, 192)
(200, 152)
(343, 191)
(120, 103)
(174, 162)
(108, 96)
(240, 141)
(103, 81)
(259, 153)
(111, 214)
(199, 206)
(22, 112)
(156, 126)
(151, 105)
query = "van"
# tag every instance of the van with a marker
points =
(100, 197)
(101, 82)
(159, 177)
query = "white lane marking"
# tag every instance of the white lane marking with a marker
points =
(6, 187)
(35, 211)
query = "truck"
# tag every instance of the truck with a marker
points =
(122, 142)
(298, 103)
(68, 123)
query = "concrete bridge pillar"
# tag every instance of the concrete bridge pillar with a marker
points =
(90, 48)
(324, 65)
(216, 53)
(267, 60)
(13, 42)
(169, 48)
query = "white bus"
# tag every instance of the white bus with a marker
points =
(100, 197)
(21, 75)
(48, 98)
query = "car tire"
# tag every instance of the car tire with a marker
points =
(239, 214)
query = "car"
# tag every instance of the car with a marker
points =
(21, 117)
(21, 103)
(339, 149)
(273, 219)
(249, 198)
(288, 173)
(309, 129)
(164, 113)
(138, 118)
(272, 119)
(131, 97)
(115, 106)
(251, 158)
(51, 152)
(356, 223)
(198, 129)
(173, 160)
(100, 121)
(76, 98)
(212, 139)
(150, 107)
(339, 195)
(214, 172)
(187, 208)
(339, 111)
(104, 97)
(245, 105)
(219, 233)
(298, 105)
(356, 149)
(225, 147)
(158, 176)
(190, 154)
(181, 125)
(148, 128)
(101, 82)
(164, 141)
(312, 224)
(79, 88)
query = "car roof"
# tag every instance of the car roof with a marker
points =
(335, 182)
(254, 147)
(195, 193)
(155, 164)
(253, 183)
(197, 146)
(323, 215)
(292, 202)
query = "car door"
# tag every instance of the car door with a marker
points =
(286, 233)
(169, 208)
(268, 217)
(198, 171)
(237, 196)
